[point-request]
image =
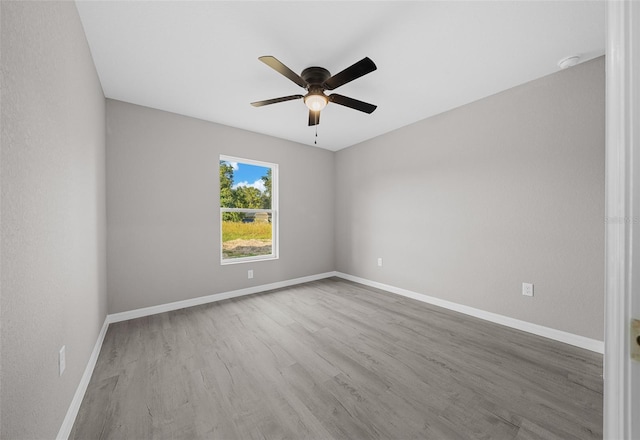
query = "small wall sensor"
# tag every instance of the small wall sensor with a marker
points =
(569, 61)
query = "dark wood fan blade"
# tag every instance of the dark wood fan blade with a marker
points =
(355, 71)
(283, 70)
(276, 100)
(314, 118)
(352, 103)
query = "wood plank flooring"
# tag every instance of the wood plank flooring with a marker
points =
(334, 359)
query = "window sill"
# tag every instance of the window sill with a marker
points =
(248, 259)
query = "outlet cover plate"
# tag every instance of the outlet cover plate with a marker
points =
(527, 289)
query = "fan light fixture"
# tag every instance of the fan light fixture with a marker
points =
(316, 80)
(315, 102)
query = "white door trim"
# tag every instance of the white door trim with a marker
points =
(621, 394)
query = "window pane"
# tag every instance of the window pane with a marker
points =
(244, 185)
(246, 234)
(248, 209)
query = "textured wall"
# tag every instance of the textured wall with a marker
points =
(53, 213)
(467, 205)
(163, 207)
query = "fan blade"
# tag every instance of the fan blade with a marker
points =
(276, 100)
(314, 118)
(352, 103)
(283, 70)
(355, 71)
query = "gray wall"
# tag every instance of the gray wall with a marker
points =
(53, 213)
(163, 207)
(467, 205)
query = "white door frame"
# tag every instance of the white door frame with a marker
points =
(621, 374)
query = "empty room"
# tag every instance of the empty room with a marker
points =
(318, 220)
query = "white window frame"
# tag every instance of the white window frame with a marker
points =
(275, 231)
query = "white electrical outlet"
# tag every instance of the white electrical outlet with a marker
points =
(527, 289)
(62, 361)
(250, 273)
(379, 262)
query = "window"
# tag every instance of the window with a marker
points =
(248, 210)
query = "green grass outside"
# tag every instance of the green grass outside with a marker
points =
(245, 231)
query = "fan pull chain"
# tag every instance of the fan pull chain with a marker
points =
(315, 141)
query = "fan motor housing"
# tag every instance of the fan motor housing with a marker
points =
(315, 76)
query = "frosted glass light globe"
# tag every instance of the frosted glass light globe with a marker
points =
(315, 102)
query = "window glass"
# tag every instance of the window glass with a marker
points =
(248, 215)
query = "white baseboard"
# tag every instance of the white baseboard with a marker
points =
(547, 332)
(153, 310)
(72, 412)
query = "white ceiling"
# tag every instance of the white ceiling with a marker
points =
(200, 58)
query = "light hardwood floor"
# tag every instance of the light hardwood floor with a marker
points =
(334, 359)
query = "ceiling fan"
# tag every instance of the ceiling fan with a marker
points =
(318, 79)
